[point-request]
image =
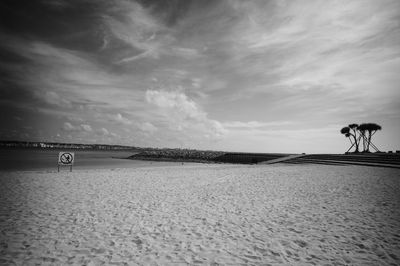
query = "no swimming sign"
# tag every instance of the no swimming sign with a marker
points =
(66, 159)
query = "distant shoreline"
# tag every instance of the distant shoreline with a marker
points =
(58, 145)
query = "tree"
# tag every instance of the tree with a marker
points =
(346, 132)
(357, 133)
(354, 127)
(371, 129)
(348, 135)
(363, 133)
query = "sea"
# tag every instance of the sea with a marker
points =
(28, 159)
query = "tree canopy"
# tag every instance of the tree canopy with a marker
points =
(361, 134)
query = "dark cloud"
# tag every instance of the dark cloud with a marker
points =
(74, 26)
(172, 12)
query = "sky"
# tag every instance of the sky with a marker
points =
(230, 75)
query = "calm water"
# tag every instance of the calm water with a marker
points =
(35, 159)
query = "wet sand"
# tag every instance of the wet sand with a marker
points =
(202, 215)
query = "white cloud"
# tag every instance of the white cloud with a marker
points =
(254, 124)
(140, 30)
(87, 128)
(104, 132)
(148, 127)
(69, 127)
(147, 35)
(175, 101)
(313, 43)
(119, 118)
(54, 98)
(187, 53)
(74, 118)
(183, 117)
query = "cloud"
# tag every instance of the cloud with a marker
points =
(69, 127)
(140, 30)
(74, 118)
(53, 76)
(120, 119)
(104, 132)
(53, 98)
(146, 33)
(255, 124)
(183, 115)
(216, 72)
(87, 128)
(175, 101)
(187, 53)
(148, 127)
(57, 4)
(274, 46)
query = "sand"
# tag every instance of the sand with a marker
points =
(202, 215)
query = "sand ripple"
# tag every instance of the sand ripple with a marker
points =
(202, 214)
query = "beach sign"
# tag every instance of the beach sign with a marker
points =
(65, 159)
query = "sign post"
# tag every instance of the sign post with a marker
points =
(65, 159)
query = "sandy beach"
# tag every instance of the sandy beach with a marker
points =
(202, 214)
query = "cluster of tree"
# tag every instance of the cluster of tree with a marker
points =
(361, 135)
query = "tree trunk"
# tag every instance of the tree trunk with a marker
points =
(356, 143)
(355, 140)
(369, 140)
(372, 144)
(351, 143)
(364, 141)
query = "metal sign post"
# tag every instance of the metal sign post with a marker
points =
(65, 159)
